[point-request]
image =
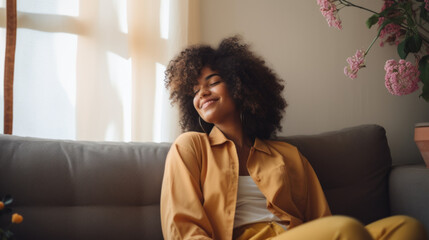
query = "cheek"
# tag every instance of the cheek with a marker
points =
(195, 102)
(227, 97)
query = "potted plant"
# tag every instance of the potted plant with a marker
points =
(403, 23)
(15, 218)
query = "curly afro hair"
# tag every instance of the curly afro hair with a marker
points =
(255, 88)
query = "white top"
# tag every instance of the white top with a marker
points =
(251, 204)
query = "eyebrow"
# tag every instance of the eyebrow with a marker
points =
(211, 75)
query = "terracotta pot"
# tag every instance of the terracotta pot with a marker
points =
(421, 137)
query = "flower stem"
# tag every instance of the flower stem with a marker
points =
(421, 27)
(372, 43)
(349, 4)
(424, 39)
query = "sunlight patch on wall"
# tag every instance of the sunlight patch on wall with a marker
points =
(64, 50)
(121, 7)
(120, 78)
(45, 84)
(160, 120)
(164, 18)
(57, 7)
(111, 132)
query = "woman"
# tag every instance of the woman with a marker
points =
(224, 178)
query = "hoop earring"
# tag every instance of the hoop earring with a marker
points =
(201, 125)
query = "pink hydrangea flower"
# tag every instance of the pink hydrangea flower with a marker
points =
(392, 32)
(355, 62)
(427, 5)
(401, 77)
(330, 12)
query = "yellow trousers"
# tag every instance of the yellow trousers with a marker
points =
(338, 228)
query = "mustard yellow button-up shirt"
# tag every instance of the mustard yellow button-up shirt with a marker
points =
(199, 189)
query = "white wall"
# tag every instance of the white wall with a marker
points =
(297, 43)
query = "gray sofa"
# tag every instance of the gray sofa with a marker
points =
(110, 190)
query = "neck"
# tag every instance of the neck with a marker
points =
(234, 132)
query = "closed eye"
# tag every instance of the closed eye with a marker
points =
(215, 83)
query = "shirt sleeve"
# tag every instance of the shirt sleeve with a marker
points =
(317, 205)
(182, 212)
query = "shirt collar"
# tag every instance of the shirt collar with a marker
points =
(261, 146)
(217, 137)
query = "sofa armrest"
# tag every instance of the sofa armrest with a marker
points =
(409, 192)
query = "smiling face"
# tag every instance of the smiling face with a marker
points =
(212, 99)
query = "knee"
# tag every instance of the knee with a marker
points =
(349, 228)
(406, 220)
(411, 225)
(346, 223)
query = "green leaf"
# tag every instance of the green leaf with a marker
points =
(425, 92)
(424, 13)
(7, 199)
(8, 234)
(408, 6)
(424, 77)
(372, 20)
(413, 43)
(401, 50)
(410, 44)
(424, 69)
(388, 10)
(396, 20)
(410, 21)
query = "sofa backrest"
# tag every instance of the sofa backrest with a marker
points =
(83, 190)
(352, 165)
(111, 190)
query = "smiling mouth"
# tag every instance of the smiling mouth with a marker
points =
(207, 103)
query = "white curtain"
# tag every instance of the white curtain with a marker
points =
(94, 69)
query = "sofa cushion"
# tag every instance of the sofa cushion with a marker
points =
(409, 191)
(83, 190)
(353, 166)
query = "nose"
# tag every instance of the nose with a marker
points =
(204, 91)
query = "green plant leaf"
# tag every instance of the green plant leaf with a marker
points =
(424, 69)
(397, 20)
(388, 10)
(408, 6)
(413, 43)
(410, 20)
(372, 20)
(424, 13)
(425, 92)
(8, 234)
(401, 50)
(424, 77)
(7, 199)
(410, 44)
